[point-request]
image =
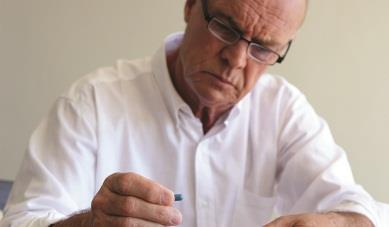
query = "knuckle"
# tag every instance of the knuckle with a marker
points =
(97, 202)
(129, 179)
(151, 194)
(130, 176)
(130, 206)
(110, 180)
(121, 184)
(125, 181)
(111, 177)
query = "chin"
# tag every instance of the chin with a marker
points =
(217, 99)
(215, 94)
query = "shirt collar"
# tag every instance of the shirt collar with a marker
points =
(237, 109)
(160, 71)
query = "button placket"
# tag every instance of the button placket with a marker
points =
(204, 186)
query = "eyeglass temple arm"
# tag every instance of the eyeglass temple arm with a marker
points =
(281, 58)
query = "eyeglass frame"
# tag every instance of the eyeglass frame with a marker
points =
(209, 18)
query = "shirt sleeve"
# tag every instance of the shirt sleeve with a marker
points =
(57, 176)
(314, 174)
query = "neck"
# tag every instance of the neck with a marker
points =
(208, 114)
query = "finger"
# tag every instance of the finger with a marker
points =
(106, 220)
(127, 206)
(132, 184)
(284, 221)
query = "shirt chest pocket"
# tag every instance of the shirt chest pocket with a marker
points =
(252, 210)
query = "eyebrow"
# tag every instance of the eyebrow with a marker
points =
(236, 27)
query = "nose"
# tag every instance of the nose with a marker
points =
(235, 54)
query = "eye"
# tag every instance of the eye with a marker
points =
(223, 31)
(261, 53)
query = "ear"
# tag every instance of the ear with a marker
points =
(188, 9)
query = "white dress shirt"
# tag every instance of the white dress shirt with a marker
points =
(271, 152)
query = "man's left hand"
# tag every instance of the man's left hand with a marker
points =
(335, 219)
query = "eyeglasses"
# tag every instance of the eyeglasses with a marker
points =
(228, 35)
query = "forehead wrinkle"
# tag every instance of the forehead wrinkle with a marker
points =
(256, 19)
(266, 21)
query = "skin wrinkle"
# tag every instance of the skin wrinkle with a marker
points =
(264, 30)
(199, 61)
(248, 18)
(257, 24)
(203, 60)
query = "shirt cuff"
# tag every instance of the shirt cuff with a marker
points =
(350, 206)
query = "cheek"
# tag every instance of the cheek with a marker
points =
(198, 57)
(251, 76)
(198, 48)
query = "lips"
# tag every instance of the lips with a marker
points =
(220, 78)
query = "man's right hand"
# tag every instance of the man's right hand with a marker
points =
(128, 199)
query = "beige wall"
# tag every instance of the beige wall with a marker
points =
(339, 60)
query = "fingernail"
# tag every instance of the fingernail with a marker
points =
(177, 218)
(166, 198)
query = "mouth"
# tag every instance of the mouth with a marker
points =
(220, 79)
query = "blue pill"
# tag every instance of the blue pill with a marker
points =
(178, 197)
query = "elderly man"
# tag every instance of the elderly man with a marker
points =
(201, 118)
